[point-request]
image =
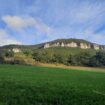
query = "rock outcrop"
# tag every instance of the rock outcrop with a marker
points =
(85, 46)
(75, 45)
(72, 44)
(47, 45)
(96, 46)
(16, 50)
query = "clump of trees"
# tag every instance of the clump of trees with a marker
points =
(9, 54)
(78, 59)
(46, 57)
(81, 59)
(1, 59)
(98, 59)
(7, 57)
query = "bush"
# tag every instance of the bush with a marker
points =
(27, 53)
(81, 59)
(1, 59)
(9, 54)
(72, 60)
(84, 58)
(57, 58)
(94, 62)
(98, 60)
(37, 56)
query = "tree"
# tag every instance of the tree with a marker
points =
(57, 58)
(72, 60)
(84, 58)
(94, 62)
(9, 54)
(1, 59)
(37, 56)
(98, 59)
(26, 53)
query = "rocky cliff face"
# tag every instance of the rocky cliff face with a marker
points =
(16, 50)
(75, 45)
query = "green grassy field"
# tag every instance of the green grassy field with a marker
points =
(29, 85)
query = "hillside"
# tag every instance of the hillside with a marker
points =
(74, 43)
(64, 51)
(71, 43)
(59, 46)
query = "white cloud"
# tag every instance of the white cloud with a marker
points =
(6, 39)
(18, 23)
(68, 18)
(98, 38)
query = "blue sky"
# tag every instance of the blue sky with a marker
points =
(35, 21)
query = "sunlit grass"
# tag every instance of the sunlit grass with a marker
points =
(29, 85)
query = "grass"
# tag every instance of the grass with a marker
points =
(29, 85)
(66, 51)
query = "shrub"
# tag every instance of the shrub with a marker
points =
(9, 54)
(72, 60)
(98, 59)
(1, 59)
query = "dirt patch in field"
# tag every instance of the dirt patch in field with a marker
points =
(71, 67)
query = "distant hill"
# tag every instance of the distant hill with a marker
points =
(68, 44)
(74, 43)
(65, 51)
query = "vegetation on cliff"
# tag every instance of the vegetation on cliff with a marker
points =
(17, 54)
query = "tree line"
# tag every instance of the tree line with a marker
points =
(81, 59)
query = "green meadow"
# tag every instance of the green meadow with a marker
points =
(33, 85)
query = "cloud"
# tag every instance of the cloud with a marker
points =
(18, 23)
(97, 38)
(77, 19)
(38, 21)
(28, 30)
(6, 39)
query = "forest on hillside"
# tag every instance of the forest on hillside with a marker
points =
(77, 58)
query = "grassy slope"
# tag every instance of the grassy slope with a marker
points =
(28, 85)
(58, 50)
(81, 68)
(78, 41)
(66, 51)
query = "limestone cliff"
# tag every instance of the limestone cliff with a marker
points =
(74, 44)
